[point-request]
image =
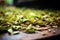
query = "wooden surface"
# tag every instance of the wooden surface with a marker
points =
(24, 36)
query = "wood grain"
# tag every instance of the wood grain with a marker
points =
(24, 36)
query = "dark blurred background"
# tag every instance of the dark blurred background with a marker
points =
(45, 4)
